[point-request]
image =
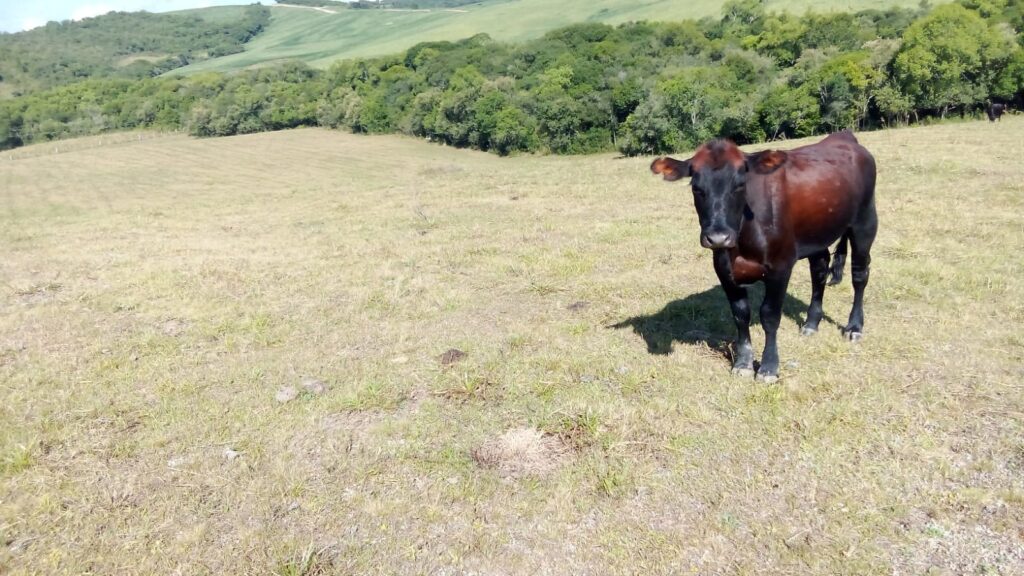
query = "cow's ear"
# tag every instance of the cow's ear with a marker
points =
(671, 169)
(766, 162)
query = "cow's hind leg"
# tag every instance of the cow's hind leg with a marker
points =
(819, 274)
(862, 236)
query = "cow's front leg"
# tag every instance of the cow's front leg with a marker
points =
(771, 314)
(743, 364)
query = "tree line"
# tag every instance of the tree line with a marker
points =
(640, 88)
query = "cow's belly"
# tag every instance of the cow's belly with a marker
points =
(816, 232)
(807, 249)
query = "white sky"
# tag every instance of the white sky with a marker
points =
(16, 15)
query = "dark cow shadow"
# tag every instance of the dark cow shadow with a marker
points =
(705, 318)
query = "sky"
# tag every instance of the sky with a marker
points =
(16, 15)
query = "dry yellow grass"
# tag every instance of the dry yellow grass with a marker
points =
(156, 296)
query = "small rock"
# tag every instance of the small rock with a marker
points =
(451, 357)
(286, 394)
(792, 364)
(19, 546)
(293, 506)
(230, 454)
(314, 386)
(399, 359)
(623, 370)
(577, 306)
(800, 539)
(588, 378)
(453, 480)
(175, 462)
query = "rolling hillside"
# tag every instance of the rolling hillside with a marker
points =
(131, 45)
(319, 37)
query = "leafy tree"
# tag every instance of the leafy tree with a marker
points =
(894, 106)
(687, 37)
(697, 100)
(844, 85)
(514, 130)
(950, 59)
(741, 18)
(839, 30)
(455, 121)
(650, 130)
(789, 111)
(421, 118)
(986, 8)
(626, 96)
(782, 39)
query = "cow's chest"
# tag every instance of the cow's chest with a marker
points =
(746, 271)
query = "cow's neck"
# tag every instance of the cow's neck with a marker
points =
(763, 200)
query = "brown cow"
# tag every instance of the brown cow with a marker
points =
(762, 212)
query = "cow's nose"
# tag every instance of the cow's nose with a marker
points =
(719, 240)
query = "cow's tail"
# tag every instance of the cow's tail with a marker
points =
(835, 272)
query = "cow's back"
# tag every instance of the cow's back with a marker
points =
(821, 189)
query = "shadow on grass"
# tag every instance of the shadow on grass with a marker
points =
(705, 318)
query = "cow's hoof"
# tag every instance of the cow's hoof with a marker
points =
(767, 378)
(744, 372)
(853, 335)
(808, 331)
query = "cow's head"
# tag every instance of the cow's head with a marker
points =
(718, 176)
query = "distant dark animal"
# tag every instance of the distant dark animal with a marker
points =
(760, 213)
(996, 111)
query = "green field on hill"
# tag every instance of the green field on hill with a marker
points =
(233, 356)
(320, 38)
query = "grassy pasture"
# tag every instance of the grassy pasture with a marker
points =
(320, 38)
(157, 295)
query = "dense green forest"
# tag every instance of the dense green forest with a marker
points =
(639, 88)
(119, 44)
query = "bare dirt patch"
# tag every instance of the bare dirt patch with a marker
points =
(451, 356)
(173, 327)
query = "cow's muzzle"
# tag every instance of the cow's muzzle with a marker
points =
(716, 240)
